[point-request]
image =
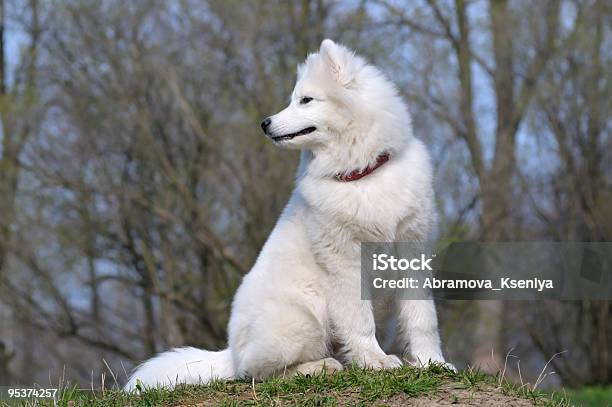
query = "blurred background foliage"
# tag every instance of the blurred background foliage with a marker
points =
(136, 188)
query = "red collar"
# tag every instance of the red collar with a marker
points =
(358, 174)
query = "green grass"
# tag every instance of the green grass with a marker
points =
(354, 386)
(595, 396)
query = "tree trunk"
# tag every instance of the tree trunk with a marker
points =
(496, 184)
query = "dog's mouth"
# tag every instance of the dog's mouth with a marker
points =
(307, 130)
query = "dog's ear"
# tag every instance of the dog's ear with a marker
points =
(338, 60)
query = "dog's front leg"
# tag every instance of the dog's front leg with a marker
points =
(418, 330)
(353, 323)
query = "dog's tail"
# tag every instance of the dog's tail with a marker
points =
(182, 366)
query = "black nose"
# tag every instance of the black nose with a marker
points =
(265, 124)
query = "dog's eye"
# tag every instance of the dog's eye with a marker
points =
(305, 100)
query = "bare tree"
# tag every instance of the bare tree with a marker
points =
(18, 123)
(570, 108)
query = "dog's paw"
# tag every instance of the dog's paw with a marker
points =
(378, 361)
(328, 365)
(425, 360)
(445, 365)
(331, 365)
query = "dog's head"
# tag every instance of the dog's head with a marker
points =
(323, 101)
(343, 110)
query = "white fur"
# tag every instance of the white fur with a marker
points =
(300, 305)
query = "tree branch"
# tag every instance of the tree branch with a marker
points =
(464, 53)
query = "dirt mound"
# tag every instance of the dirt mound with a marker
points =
(451, 394)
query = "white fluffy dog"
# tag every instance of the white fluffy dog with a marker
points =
(362, 177)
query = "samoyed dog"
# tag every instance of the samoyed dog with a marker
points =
(362, 177)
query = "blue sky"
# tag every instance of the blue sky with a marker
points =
(14, 40)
